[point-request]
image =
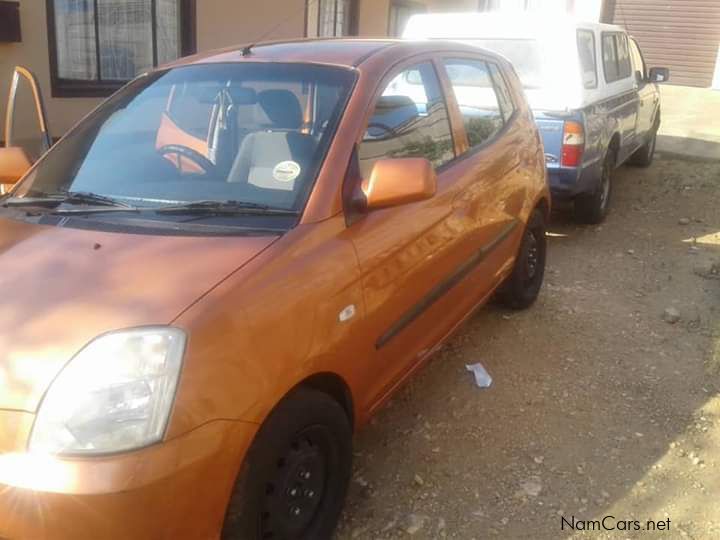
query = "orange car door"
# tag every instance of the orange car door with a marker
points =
(420, 261)
(500, 141)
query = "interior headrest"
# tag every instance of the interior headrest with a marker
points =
(282, 108)
(207, 94)
(242, 95)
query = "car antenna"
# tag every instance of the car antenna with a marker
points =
(247, 51)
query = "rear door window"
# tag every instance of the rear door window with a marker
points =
(624, 67)
(610, 63)
(477, 98)
(410, 119)
(507, 107)
(588, 61)
(616, 56)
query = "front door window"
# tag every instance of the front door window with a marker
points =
(410, 120)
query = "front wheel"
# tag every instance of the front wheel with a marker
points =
(643, 156)
(296, 474)
(592, 208)
(522, 286)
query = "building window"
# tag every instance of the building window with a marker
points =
(96, 46)
(330, 18)
(400, 13)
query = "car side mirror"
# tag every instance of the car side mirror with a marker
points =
(659, 75)
(397, 181)
(14, 163)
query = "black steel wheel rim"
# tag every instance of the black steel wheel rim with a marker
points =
(532, 257)
(294, 494)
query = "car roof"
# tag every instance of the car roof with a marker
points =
(495, 25)
(333, 51)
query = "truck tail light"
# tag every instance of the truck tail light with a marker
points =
(573, 144)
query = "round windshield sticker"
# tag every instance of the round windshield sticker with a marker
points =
(286, 171)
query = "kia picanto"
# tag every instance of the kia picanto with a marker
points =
(225, 269)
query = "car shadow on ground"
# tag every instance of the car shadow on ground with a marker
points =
(671, 146)
(598, 404)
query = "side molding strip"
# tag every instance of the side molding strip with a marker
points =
(443, 287)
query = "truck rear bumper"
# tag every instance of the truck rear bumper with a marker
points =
(568, 182)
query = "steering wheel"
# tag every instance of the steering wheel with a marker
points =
(193, 155)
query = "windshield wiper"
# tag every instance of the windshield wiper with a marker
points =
(70, 197)
(225, 207)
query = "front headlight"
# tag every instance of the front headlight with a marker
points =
(114, 395)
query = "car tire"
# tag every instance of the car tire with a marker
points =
(293, 482)
(643, 156)
(592, 208)
(522, 287)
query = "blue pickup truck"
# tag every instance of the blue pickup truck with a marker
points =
(596, 103)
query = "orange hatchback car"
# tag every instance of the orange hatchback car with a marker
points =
(219, 274)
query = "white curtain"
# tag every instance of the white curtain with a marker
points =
(125, 30)
(334, 17)
(125, 36)
(168, 30)
(326, 26)
(75, 39)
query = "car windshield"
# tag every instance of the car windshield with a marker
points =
(525, 55)
(252, 134)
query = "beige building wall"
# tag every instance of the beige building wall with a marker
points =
(222, 23)
(219, 23)
(33, 53)
(373, 17)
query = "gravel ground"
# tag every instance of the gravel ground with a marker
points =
(605, 395)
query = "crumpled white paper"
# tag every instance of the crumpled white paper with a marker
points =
(482, 377)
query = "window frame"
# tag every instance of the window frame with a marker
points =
(60, 87)
(472, 150)
(632, 41)
(595, 56)
(615, 36)
(352, 30)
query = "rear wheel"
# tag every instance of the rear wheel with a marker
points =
(522, 286)
(295, 477)
(593, 207)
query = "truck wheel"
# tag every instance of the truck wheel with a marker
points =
(643, 156)
(592, 207)
(296, 474)
(522, 286)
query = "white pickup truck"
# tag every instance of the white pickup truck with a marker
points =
(595, 101)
